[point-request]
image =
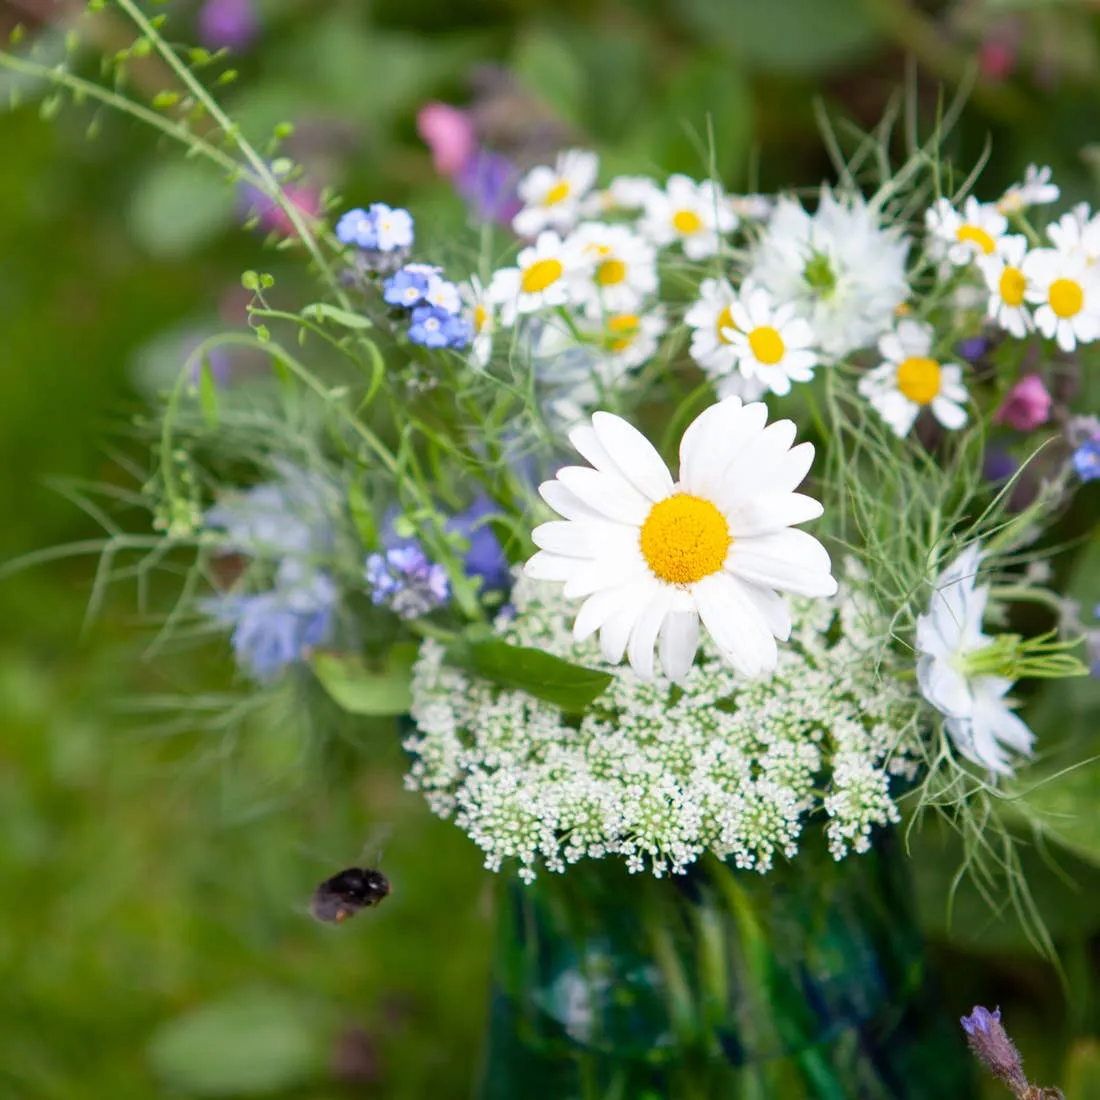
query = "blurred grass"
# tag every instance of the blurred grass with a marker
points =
(144, 876)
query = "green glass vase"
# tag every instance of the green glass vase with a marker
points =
(807, 983)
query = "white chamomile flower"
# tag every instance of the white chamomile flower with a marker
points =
(1007, 283)
(711, 321)
(481, 312)
(651, 557)
(633, 338)
(1065, 290)
(961, 238)
(1036, 190)
(1077, 231)
(541, 278)
(552, 196)
(615, 268)
(843, 270)
(693, 215)
(772, 344)
(910, 380)
(443, 294)
(751, 208)
(977, 716)
(623, 195)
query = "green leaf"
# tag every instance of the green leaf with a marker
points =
(359, 689)
(179, 206)
(550, 69)
(566, 685)
(208, 394)
(250, 1044)
(322, 311)
(1064, 807)
(163, 100)
(362, 514)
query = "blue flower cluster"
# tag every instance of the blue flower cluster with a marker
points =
(1086, 459)
(286, 522)
(405, 581)
(435, 320)
(380, 229)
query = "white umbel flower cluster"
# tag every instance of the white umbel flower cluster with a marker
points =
(658, 773)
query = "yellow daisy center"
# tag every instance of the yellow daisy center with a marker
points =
(1066, 297)
(540, 275)
(767, 345)
(622, 330)
(481, 315)
(684, 539)
(610, 272)
(725, 320)
(919, 379)
(1012, 286)
(686, 222)
(558, 193)
(974, 234)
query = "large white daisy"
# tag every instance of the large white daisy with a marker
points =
(540, 278)
(552, 197)
(977, 716)
(652, 557)
(773, 344)
(693, 215)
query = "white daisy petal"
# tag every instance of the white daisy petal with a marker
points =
(735, 625)
(640, 463)
(758, 515)
(679, 642)
(644, 635)
(787, 560)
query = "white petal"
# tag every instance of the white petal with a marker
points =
(610, 571)
(758, 515)
(550, 567)
(679, 641)
(634, 455)
(598, 608)
(566, 503)
(949, 414)
(582, 538)
(715, 440)
(616, 633)
(735, 625)
(788, 560)
(944, 687)
(772, 607)
(644, 635)
(606, 493)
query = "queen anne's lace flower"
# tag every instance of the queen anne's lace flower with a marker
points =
(660, 774)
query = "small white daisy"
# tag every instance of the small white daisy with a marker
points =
(977, 716)
(1066, 293)
(841, 267)
(623, 195)
(651, 557)
(910, 380)
(773, 345)
(711, 320)
(1077, 231)
(541, 278)
(1036, 190)
(481, 312)
(552, 196)
(628, 339)
(961, 238)
(693, 215)
(615, 268)
(1007, 283)
(751, 208)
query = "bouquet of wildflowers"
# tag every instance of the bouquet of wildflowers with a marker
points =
(670, 527)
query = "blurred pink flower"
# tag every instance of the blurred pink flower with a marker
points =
(449, 134)
(1026, 405)
(996, 59)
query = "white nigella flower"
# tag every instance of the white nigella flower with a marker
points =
(552, 196)
(693, 215)
(1077, 232)
(910, 380)
(711, 321)
(1004, 276)
(1036, 190)
(481, 312)
(651, 557)
(541, 278)
(977, 716)
(842, 269)
(615, 268)
(1066, 293)
(961, 238)
(772, 344)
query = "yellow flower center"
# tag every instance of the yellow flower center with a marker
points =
(974, 234)
(767, 345)
(540, 275)
(610, 272)
(1066, 297)
(686, 222)
(558, 193)
(622, 330)
(684, 539)
(725, 320)
(1012, 286)
(919, 379)
(481, 315)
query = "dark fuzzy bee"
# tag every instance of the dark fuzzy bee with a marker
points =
(343, 895)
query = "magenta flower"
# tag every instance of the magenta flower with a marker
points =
(449, 134)
(1026, 405)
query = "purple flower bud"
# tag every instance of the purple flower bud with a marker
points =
(991, 1045)
(973, 348)
(406, 582)
(999, 465)
(228, 24)
(488, 181)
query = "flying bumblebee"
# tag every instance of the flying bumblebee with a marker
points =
(343, 895)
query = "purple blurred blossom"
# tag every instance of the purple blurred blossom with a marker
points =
(404, 580)
(228, 24)
(999, 465)
(488, 182)
(1026, 405)
(973, 348)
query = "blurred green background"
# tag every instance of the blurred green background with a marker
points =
(154, 874)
